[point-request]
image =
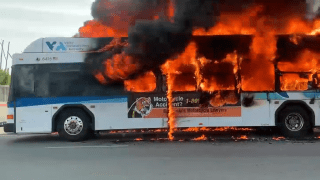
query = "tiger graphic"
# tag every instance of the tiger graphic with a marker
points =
(140, 108)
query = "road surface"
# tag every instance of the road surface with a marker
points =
(48, 157)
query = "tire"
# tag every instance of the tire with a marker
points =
(294, 122)
(74, 125)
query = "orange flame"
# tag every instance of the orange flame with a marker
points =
(316, 28)
(242, 137)
(233, 129)
(95, 29)
(171, 10)
(114, 44)
(220, 100)
(144, 83)
(293, 82)
(201, 138)
(196, 129)
(183, 74)
(156, 17)
(99, 76)
(302, 69)
(307, 61)
(184, 70)
(235, 23)
(120, 66)
(297, 25)
(258, 74)
(278, 138)
(171, 114)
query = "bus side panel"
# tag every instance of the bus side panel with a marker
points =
(225, 121)
(228, 115)
(316, 108)
(144, 123)
(191, 122)
(109, 115)
(34, 119)
(255, 109)
(317, 112)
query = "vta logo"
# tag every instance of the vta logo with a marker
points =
(53, 47)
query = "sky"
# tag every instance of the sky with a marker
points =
(24, 21)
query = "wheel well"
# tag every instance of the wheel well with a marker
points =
(289, 104)
(55, 117)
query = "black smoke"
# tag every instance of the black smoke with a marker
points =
(152, 42)
(156, 41)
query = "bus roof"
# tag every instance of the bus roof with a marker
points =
(59, 50)
(60, 44)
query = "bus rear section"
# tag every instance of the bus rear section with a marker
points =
(58, 92)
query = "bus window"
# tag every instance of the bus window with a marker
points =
(66, 84)
(42, 85)
(24, 81)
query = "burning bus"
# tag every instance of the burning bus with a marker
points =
(186, 66)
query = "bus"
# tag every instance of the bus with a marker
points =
(53, 90)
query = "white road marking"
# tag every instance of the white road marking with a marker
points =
(6, 136)
(68, 147)
(15, 135)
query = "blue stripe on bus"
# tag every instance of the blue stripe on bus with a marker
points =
(23, 102)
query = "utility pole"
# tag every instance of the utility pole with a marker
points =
(1, 53)
(4, 54)
(7, 55)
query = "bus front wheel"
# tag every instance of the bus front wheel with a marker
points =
(74, 125)
(294, 122)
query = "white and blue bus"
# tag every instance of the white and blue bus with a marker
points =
(52, 90)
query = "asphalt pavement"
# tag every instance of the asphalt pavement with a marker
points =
(133, 156)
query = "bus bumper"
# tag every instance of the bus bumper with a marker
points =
(8, 127)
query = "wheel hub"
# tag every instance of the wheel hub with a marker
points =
(73, 125)
(294, 122)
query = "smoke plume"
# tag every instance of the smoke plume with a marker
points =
(153, 41)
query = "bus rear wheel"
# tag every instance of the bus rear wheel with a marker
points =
(294, 122)
(74, 125)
